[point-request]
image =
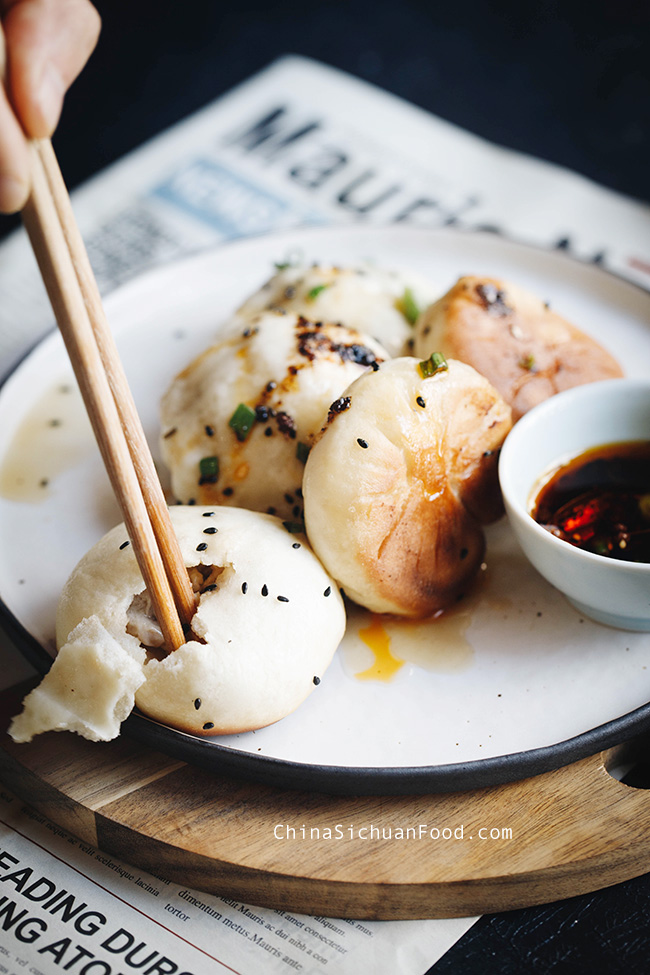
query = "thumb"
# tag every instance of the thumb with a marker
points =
(48, 43)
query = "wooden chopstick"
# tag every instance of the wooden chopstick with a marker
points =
(78, 309)
(140, 454)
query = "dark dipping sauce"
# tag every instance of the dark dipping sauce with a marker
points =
(600, 501)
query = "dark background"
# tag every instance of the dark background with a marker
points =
(564, 81)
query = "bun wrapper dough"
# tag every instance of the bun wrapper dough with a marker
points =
(268, 622)
(526, 350)
(400, 482)
(285, 370)
(377, 301)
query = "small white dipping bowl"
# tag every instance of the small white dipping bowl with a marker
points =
(612, 411)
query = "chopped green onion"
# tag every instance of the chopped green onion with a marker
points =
(294, 527)
(528, 362)
(282, 265)
(209, 470)
(435, 363)
(242, 421)
(314, 293)
(302, 452)
(409, 307)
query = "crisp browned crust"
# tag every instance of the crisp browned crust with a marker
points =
(526, 350)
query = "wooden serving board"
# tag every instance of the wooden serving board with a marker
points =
(552, 836)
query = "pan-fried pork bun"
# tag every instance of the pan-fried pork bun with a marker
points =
(268, 621)
(238, 422)
(380, 302)
(402, 477)
(526, 350)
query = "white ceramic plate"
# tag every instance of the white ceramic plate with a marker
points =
(511, 682)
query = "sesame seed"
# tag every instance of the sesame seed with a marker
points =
(420, 402)
(124, 544)
(208, 725)
(464, 553)
(201, 547)
(296, 545)
(362, 443)
(228, 492)
(268, 432)
(197, 703)
(283, 599)
(208, 514)
(210, 531)
(209, 430)
(265, 590)
(211, 587)
(288, 498)
(374, 365)
(328, 591)
(244, 587)
(192, 501)
(316, 681)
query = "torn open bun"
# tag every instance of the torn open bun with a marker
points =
(268, 622)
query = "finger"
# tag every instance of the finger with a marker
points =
(49, 42)
(14, 160)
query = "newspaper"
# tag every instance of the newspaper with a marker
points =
(299, 144)
(303, 144)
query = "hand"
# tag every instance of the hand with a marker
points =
(47, 43)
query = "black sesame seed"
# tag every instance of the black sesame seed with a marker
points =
(208, 514)
(288, 498)
(362, 443)
(296, 545)
(296, 511)
(270, 511)
(265, 590)
(192, 501)
(328, 591)
(197, 703)
(271, 385)
(316, 681)
(209, 430)
(244, 587)
(228, 492)
(268, 431)
(124, 544)
(374, 366)
(464, 553)
(201, 547)
(283, 599)
(208, 725)
(420, 402)
(211, 587)
(210, 531)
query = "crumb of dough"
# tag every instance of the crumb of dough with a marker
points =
(89, 689)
